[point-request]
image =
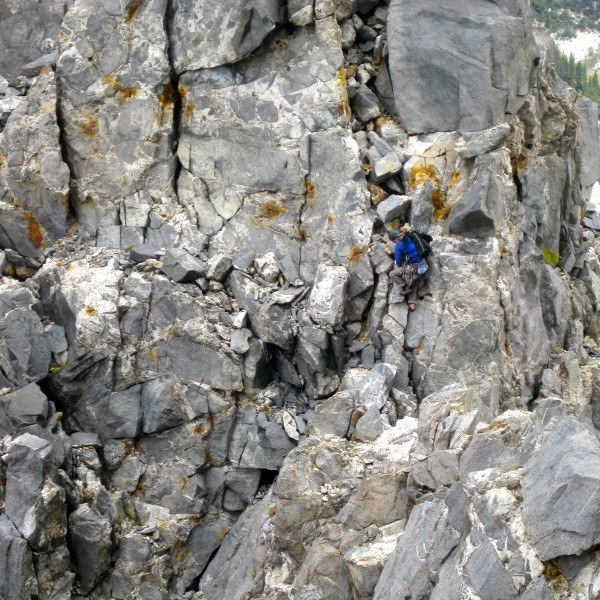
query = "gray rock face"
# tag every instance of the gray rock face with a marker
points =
(181, 267)
(327, 299)
(117, 107)
(28, 30)
(478, 213)
(24, 351)
(559, 504)
(239, 544)
(167, 403)
(258, 443)
(269, 322)
(405, 574)
(237, 326)
(17, 574)
(34, 503)
(117, 416)
(590, 161)
(34, 180)
(223, 33)
(488, 577)
(466, 75)
(26, 406)
(90, 532)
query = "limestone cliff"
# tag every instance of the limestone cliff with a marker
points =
(209, 386)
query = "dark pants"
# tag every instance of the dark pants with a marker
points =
(408, 279)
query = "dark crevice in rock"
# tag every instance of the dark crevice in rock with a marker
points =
(195, 585)
(267, 478)
(174, 90)
(64, 148)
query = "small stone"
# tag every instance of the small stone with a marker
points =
(219, 267)
(266, 266)
(240, 320)
(289, 425)
(182, 267)
(239, 340)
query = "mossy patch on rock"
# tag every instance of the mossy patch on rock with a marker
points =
(550, 258)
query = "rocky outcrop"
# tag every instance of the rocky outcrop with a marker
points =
(473, 64)
(210, 387)
(34, 181)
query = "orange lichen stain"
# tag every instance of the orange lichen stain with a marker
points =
(419, 347)
(377, 194)
(188, 111)
(9, 271)
(272, 510)
(45, 70)
(222, 533)
(153, 354)
(498, 424)
(356, 415)
(123, 93)
(184, 553)
(183, 91)
(90, 311)
(184, 482)
(356, 253)
(310, 191)
(351, 71)
(455, 179)
(33, 229)
(167, 96)
(2, 161)
(441, 209)
(132, 10)
(343, 104)
(270, 210)
(199, 429)
(128, 449)
(90, 126)
(522, 161)
(330, 219)
(302, 234)
(419, 174)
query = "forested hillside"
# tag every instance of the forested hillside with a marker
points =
(565, 17)
(581, 74)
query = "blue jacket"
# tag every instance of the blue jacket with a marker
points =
(406, 248)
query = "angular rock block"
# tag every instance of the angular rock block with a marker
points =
(472, 65)
(34, 503)
(560, 499)
(328, 296)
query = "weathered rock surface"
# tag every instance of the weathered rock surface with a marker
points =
(209, 385)
(472, 66)
(34, 180)
(559, 504)
(27, 31)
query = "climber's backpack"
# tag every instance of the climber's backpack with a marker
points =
(422, 243)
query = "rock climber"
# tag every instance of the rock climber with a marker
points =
(410, 267)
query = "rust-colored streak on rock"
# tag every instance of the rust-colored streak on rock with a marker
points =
(33, 229)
